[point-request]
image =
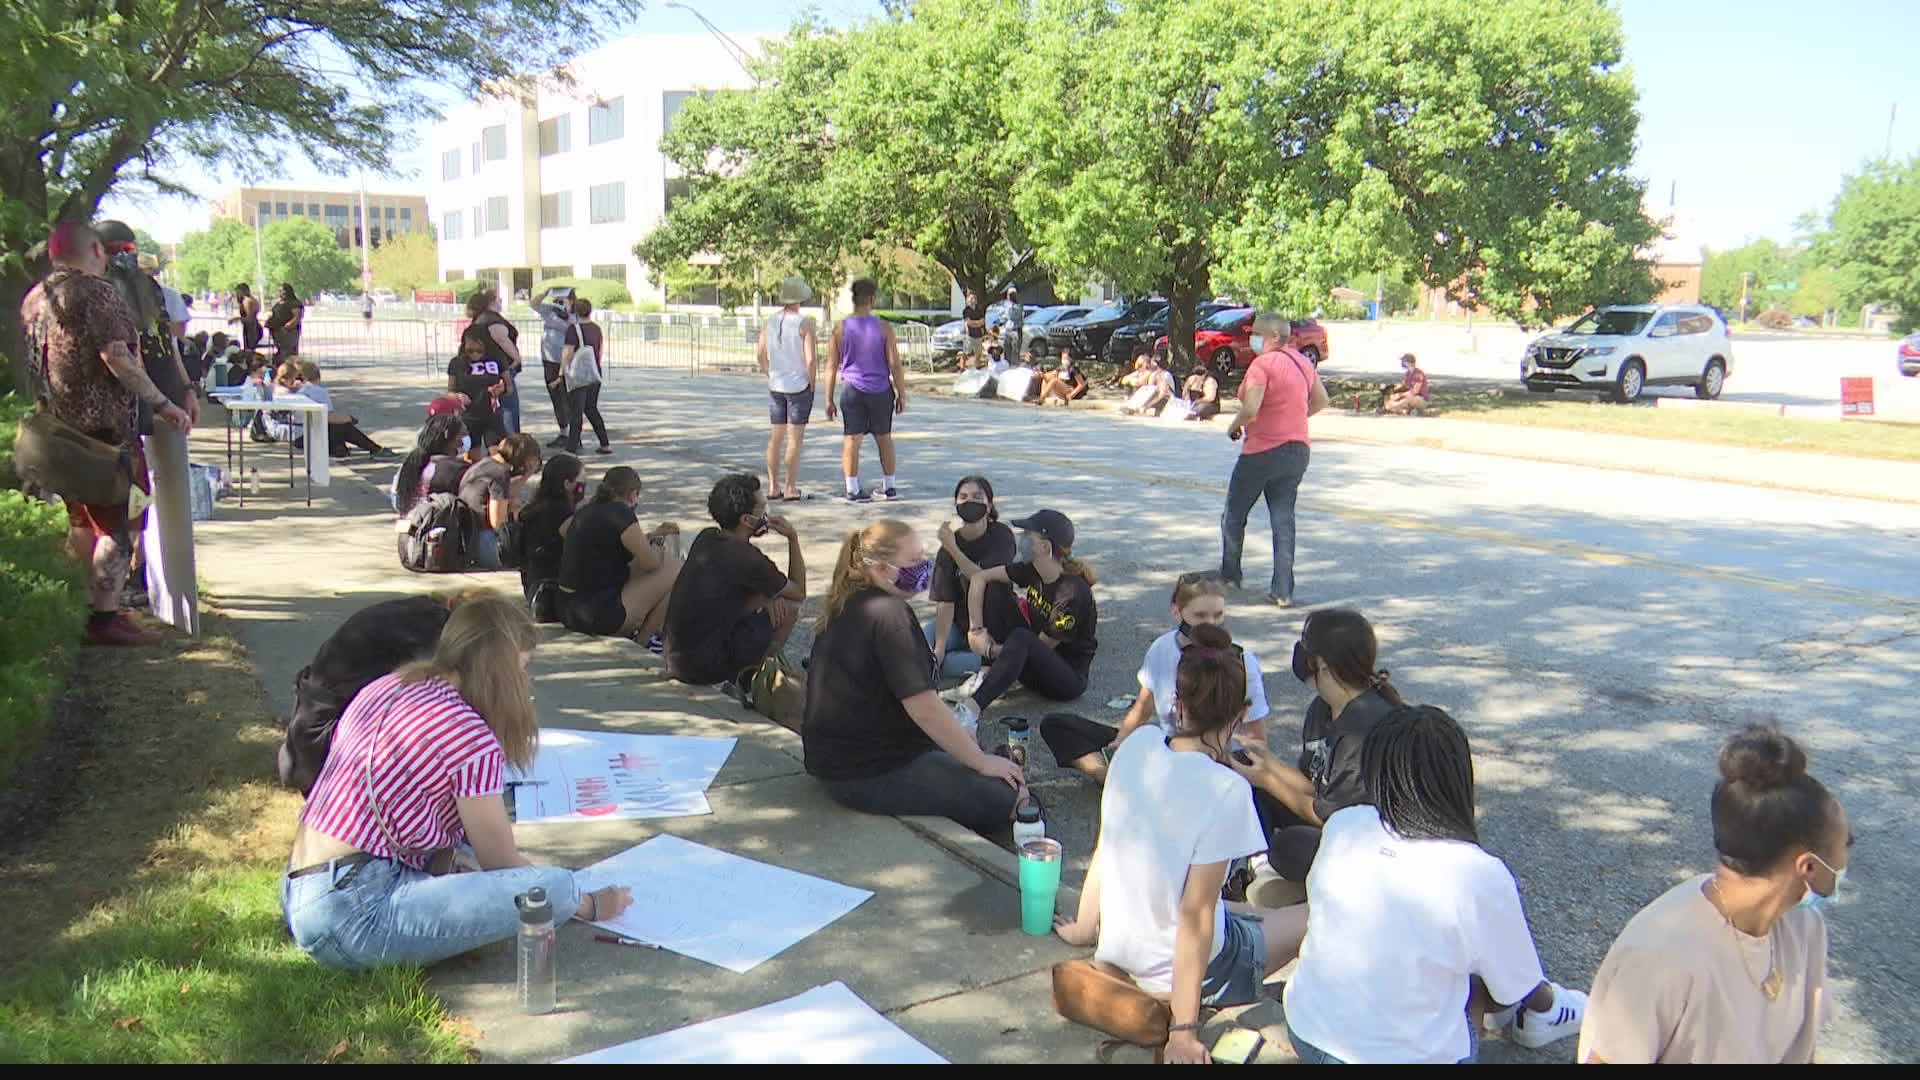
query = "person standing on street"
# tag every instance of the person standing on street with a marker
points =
(247, 314)
(1013, 328)
(789, 348)
(975, 317)
(502, 340)
(555, 308)
(1280, 391)
(583, 401)
(82, 342)
(867, 353)
(284, 321)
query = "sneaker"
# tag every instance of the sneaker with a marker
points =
(859, 497)
(889, 494)
(557, 442)
(1535, 1030)
(1499, 1020)
(1279, 601)
(603, 450)
(739, 691)
(384, 454)
(119, 631)
(964, 690)
(968, 714)
(657, 645)
(1270, 890)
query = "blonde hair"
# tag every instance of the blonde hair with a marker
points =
(479, 655)
(288, 372)
(309, 371)
(877, 542)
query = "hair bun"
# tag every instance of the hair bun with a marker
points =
(1210, 636)
(1760, 757)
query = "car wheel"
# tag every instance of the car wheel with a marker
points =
(1221, 364)
(1312, 353)
(1632, 380)
(1711, 382)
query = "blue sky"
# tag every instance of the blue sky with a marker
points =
(1753, 111)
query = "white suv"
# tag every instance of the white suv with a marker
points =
(1622, 350)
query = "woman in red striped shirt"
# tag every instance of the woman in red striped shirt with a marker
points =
(411, 795)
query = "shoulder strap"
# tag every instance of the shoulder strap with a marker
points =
(400, 851)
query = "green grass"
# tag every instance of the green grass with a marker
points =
(1881, 439)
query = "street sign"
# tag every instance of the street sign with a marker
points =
(1856, 397)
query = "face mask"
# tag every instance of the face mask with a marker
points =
(1814, 899)
(466, 443)
(761, 529)
(971, 512)
(579, 491)
(1258, 342)
(1026, 547)
(914, 579)
(1302, 663)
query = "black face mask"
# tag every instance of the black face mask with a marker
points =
(1302, 662)
(971, 512)
(763, 525)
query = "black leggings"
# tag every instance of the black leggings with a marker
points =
(1071, 737)
(342, 436)
(585, 401)
(557, 393)
(1026, 660)
(1291, 842)
(931, 785)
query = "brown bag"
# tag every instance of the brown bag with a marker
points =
(1104, 998)
(57, 457)
(779, 693)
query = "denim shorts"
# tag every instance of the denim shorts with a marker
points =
(1235, 975)
(794, 408)
(1310, 1054)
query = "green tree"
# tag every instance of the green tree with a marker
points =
(103, 96)
(1816, 293)
(1872, 242)
(305, 254)
(1756, 266)
(216, 258)
(406, 262)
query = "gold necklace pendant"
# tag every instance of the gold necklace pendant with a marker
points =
(1772, 985)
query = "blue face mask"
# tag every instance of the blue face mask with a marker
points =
(1258, 343)
(466, 443)
(1814, 899)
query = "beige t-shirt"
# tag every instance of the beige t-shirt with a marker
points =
(1673, 988)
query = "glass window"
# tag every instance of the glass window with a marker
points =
(299, 209)
(406, 213)
(606, 122)
(556, 210)
(670, 104)
(450, 226)
(1225, 320)
(607, 203)
(610, 272)
(549, 273)
(678, 187)
(1668, 323)
(456, 275)
(496, 212)
(493, 142)
(1611, 323)
(476, 157)
(479, 223)
(313, 209)
(279, 209)
(450, 165)
(556, 135)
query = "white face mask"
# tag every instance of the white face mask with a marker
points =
(1258, 342)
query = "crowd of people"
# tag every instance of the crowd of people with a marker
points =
(1217, 861)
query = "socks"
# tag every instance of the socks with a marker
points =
(890, 484)
(853, 485)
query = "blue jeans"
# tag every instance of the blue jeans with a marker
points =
(510, 408)
(486, 549)
(385, 912)
(1275, 475)
(1310, 1054)
(960, 660)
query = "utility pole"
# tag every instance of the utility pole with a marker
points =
(1892, 111)
(366, 230)
(1746, 280)
(259, 259)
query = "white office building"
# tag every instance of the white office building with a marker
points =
(564, 186)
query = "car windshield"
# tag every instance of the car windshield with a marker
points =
(1109, 310)
(1225, 320)
(1047, 315)
(1611, 323)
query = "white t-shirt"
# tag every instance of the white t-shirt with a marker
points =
(176, 306)
(1164, 811)
(1395, 928)
(1162, 665)
(787, 360)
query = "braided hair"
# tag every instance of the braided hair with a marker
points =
(1418, 772)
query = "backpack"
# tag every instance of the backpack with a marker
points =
(433, 536)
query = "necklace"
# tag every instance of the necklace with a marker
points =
(1772, 983)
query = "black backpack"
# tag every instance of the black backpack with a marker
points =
(434, 537)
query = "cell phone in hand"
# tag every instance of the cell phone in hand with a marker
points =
(1243, 758)
(1237, 1047)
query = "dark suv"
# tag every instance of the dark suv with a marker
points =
(1087, 336)
(1129, 339)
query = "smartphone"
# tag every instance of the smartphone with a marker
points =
(1237, 1047)
(1243, 757)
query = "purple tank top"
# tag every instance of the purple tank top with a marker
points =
(863, 354)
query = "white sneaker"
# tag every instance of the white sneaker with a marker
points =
(1535, 1030)
(968, 714)
(1270, 890)
(965, 689)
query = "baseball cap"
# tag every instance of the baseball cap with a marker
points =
(1052, 524)
(444, 405)
(115, 235)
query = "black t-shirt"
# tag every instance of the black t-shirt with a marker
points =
(1330, 752)
(540, 537)
(871, 658)
(975, 313)
(484, 483)
(482, 328)
(590, 335)
(476, 379)
(721, 577)
(996, 547)
(594, 560)
(1064, 611)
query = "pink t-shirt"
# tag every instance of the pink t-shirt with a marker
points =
(1288, 379)
(433, 750)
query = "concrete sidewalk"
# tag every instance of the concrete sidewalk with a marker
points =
(938, 948)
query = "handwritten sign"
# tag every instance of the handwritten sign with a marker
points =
(586, 775)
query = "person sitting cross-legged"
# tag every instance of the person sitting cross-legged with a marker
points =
(732, 607)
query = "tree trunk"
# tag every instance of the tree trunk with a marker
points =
(1183, 297)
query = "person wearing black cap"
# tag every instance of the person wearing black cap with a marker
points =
(1040, 630)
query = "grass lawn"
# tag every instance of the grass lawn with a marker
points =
(1730, 427)
(143, 905)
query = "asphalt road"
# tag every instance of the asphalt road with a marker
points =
(1598, 633)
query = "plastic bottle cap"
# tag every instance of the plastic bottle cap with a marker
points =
(1028, 812)
(1016, 724)
(533, 906)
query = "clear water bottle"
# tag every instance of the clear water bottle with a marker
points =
(1027, 822)
(539, 975)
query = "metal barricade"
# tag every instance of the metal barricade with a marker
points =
(916, 345)
(346, 343)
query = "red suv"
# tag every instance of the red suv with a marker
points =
(1221, 341)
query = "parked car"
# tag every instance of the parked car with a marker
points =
(1087, 335)
(1041, 322)
(949, 339)
(1622, 350)
(1223, 341)
(1910, 355)
(385, 296)
(1149, 332)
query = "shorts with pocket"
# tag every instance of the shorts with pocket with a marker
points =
(600, 614)
(1235, 975)
(862, 413)
(746, 644)
(794, 408)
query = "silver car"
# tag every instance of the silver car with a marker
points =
(1622, 350)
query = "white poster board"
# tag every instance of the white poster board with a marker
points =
(592, 775)
(827, 1025)
(715, 906)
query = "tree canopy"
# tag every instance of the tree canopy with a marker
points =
(1873, 239)
(298, 251)
(406, 262)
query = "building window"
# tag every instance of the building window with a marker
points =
(279, 209)
(556, 135)
(556, 210)
(299, 209)
(493, 142)
(610, 272)
(670, 104)
(607, 122)
(678, 187)
(476, 158)
(313, 209)
(450, 165)
(702, 294)
(450, 226)
(552, 273)
(607, 203)
(479, 223)
(496, 213)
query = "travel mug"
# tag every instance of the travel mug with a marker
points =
(1039, 885)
